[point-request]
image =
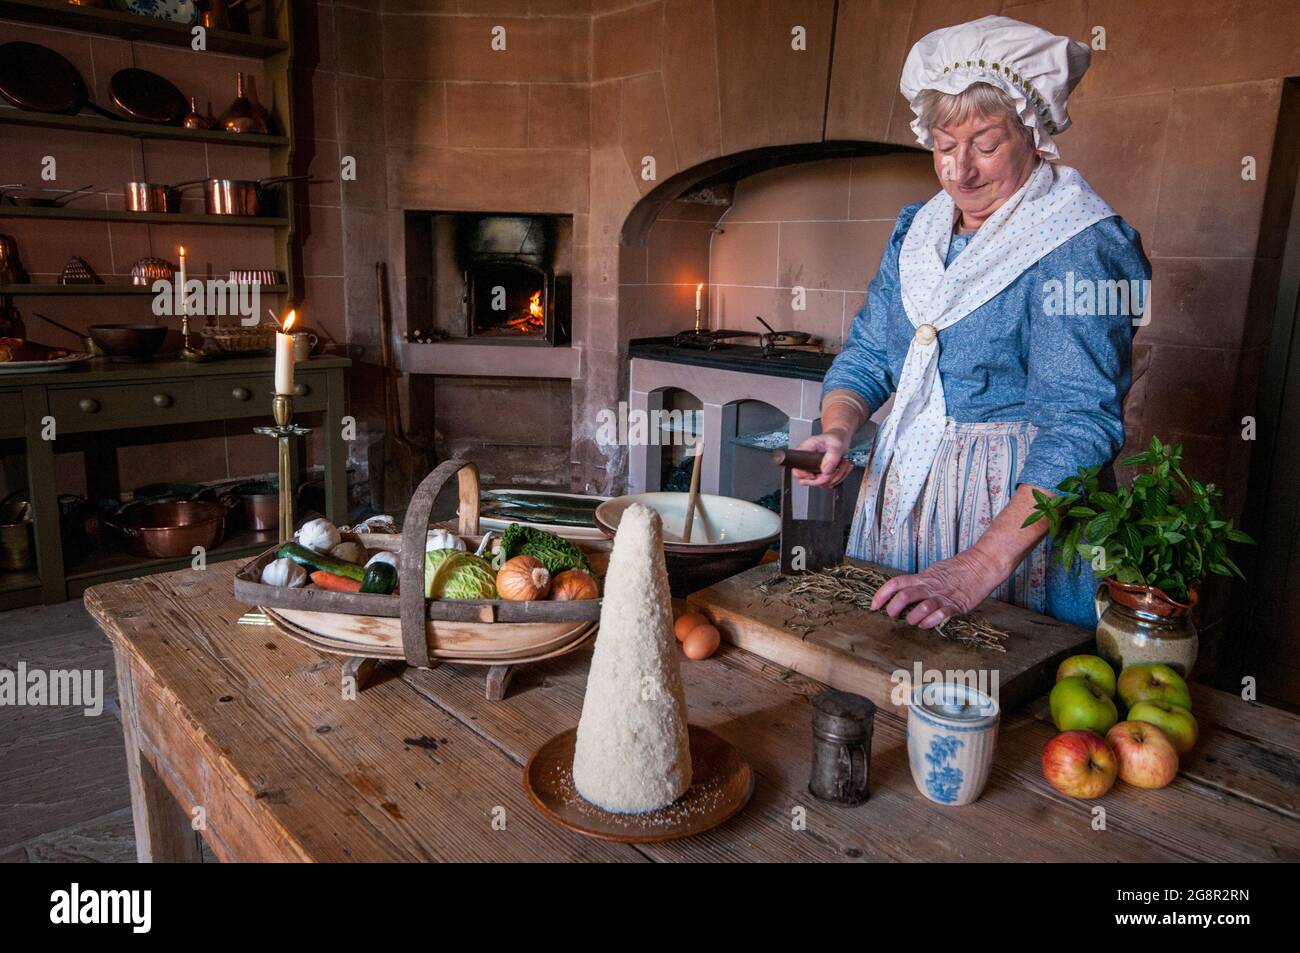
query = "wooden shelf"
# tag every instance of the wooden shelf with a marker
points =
(112, 561)
(138, 130)
(148, 218)
(77, 291)
(128, 26)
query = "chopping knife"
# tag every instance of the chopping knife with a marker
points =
(818, 540)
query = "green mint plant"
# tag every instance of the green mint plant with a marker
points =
(1164, 529)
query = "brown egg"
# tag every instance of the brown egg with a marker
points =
(702, 642)
(686, 622)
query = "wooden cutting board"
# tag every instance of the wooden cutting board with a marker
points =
(860, 651)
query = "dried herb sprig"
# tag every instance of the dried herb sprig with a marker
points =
(855, 586)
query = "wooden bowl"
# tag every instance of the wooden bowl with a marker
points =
(728, 535)
(128, 342)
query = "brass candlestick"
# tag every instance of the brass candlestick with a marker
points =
(284, 431)
(698, 326)
(187, 352)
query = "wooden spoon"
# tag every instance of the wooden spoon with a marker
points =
(694, 498)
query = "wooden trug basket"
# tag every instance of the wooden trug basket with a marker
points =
(424, 632)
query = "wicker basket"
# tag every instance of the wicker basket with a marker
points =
(236, 337)
(423, 631)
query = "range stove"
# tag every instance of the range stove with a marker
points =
(773, 360)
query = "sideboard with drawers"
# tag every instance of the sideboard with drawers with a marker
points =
(93, 403)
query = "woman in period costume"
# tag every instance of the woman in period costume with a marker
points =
(997, 388)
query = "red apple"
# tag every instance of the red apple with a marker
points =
(1147, 758)
(1080, 764)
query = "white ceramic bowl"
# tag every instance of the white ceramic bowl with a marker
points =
(719, 520)
(728, 535)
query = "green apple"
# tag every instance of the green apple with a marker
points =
(1174, 720)
(1153, 682)
(1092, 667)
(1079, 703)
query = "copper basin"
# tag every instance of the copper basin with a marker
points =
(172, 530)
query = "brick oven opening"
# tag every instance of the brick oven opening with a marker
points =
(497, 278)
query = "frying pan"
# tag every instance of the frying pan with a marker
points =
(147, 97)
(33, 201)
(782, 337)
(37, 78)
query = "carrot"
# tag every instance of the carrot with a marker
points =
(327, 580)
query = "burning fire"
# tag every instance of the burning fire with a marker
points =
(534, 320)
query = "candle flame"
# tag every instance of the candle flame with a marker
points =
(182, 251)
(290, 319)
(700, 286)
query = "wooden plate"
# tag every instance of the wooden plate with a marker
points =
(722, 784)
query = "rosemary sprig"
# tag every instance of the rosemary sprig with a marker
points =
(814, 595)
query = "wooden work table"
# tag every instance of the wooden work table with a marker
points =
(250, 726)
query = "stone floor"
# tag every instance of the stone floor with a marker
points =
(63, 787)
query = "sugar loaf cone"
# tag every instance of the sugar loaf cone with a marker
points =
(633, 751)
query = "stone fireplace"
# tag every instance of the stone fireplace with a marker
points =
(492, 277)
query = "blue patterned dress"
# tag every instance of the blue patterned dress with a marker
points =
(1031, 396)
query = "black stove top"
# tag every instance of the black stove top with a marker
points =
(750, 358)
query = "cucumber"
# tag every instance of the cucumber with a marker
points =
(313, 561)
(377, 577)
(380, 578)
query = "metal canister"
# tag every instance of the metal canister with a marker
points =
(842, 724)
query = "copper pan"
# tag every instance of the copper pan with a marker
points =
(171, 530)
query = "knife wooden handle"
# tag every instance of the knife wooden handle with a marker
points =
(810, 460)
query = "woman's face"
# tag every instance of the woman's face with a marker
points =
(981, 163)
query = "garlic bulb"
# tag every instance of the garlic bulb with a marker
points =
(284, 572)
(443, 539)
(384, 556)
(319, 535)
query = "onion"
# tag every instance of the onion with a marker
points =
(523, 579)
(574, 584)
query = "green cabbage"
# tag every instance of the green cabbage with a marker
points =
(555, 553)
(453, 574)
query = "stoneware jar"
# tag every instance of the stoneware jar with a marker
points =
(1143, 624)
(952, 729)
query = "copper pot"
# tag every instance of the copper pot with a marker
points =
(240, 196)
(258, 502)
(171, 530)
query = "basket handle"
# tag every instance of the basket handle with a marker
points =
(413, 604)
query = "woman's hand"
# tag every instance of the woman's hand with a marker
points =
(832, 444)
(940, 591)
(956, 586)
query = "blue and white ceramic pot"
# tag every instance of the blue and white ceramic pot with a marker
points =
(952, 729)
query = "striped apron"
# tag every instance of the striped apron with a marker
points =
(973, 476)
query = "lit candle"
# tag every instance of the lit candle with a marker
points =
(284, 355)
(699, 292)
(180, 283)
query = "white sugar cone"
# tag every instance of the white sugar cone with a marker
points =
(633, 752)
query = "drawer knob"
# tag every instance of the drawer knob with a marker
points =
(89, 405)
(162, 400)
(301, 390)
(241, 393)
